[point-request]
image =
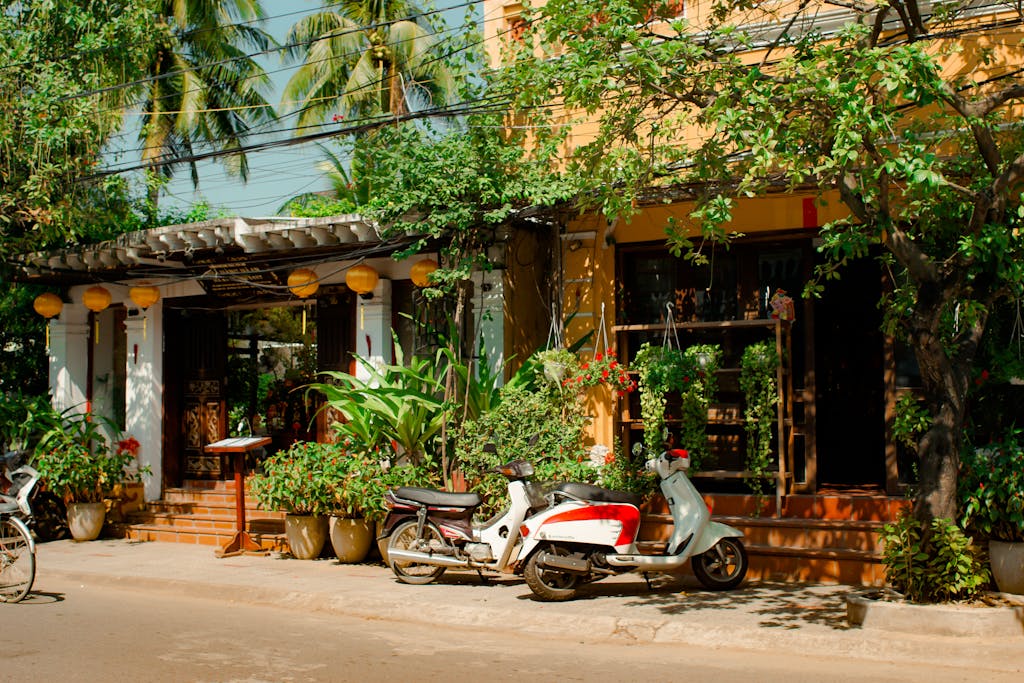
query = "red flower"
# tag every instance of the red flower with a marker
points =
(598, 357)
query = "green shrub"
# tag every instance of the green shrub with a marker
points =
(991, 487)
(555, 426)
(301, 480)
(937, 564)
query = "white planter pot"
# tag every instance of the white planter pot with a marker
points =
(306, 535)
(85, 520)
(1007, 566)
(351, 538)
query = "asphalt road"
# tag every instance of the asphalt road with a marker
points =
(68, 632)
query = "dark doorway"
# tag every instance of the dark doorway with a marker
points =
(849, 387)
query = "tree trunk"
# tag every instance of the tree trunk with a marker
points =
(945, 381)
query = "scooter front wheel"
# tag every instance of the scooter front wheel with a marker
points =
(404, 537)
(723, 566)
(550, 585)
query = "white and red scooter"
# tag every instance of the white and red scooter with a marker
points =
(590, 533)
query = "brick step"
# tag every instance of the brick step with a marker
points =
(198, 521)
(828, 507)
(143, 532)
(208, 509)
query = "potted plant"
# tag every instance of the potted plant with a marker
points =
(301, 481)
(660, 369)
(758, 368)
(991, 487)
(76, 462)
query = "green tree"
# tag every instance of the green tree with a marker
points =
(202, 85)
(366, 57)
(59, 61)
(908, 114)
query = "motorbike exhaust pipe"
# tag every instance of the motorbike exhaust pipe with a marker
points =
(563, 563)
(425, 558)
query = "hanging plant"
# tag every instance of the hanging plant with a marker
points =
(660, 369)
(700, 384)
(760, 389)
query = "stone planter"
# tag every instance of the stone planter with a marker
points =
(1007, 565)
(85, 520)
(351, 538)
(306, 535)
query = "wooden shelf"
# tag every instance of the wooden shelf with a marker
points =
(714, 325)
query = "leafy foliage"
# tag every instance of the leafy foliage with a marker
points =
(992, 489)
(536, 425)
(302, 480)
(758, 368)
(76, 460)
(934, 563)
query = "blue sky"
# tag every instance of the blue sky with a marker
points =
(278, 174)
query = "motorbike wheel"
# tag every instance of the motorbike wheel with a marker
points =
(404, 537)
(49, 518)
(723, 566)
(550, 585)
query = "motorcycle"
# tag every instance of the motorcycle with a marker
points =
(590, 533)
(430, 531)
(44, 513)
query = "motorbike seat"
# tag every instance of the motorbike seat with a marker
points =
(597, 494)
(438, 498)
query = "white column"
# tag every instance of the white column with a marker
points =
(69, 359)
(144, 392)
(373, 328)
(489, 315)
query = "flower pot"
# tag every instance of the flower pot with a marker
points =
(85, 520)
(1007, 566)
(306, 535)
(351, 538)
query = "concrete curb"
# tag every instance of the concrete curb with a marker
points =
(868, 612)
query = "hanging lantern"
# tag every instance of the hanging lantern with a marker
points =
(362, 279)
(144, 296)
(421, 270)
(96, 299)
(48, 305)
(303, 283)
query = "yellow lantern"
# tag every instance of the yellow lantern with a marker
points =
(48, 305)
(303, 283)
(96, 299)
(144, 296)
(362, 279)
(421, 270)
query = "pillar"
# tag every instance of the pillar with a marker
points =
(144, 392)
(69, 359)
(373, 328)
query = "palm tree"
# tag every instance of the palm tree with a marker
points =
(365, 57)
(204, 86)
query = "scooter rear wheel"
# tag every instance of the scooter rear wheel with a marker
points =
(550, 585)
(404, 537)
(723, 566)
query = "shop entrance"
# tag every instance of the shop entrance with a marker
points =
(849, 387)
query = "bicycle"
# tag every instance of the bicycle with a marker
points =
(17, 548)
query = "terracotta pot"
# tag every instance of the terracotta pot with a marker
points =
(306, 535)
(85, 520)
(1007, 566)
(351, 538)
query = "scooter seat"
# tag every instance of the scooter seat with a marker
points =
(598, 494)
(438, 498)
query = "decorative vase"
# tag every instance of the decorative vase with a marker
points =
(85, 520)
(306, 535)
(1007, 565)
(351, 538)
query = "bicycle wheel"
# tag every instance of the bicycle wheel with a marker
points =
(17, 560)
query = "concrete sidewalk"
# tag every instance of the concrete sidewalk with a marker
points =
(798, 618)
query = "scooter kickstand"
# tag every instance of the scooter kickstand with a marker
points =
(483, 579)
(647, 578)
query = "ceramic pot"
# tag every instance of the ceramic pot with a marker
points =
(1007, 566)
(306, 535)
(85, 520)
(351, 538)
